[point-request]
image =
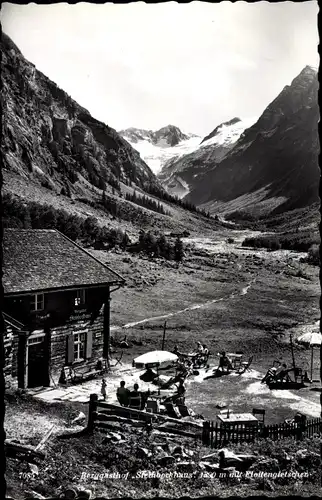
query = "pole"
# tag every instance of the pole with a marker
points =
(158, 380)
(93, 398)
(291, 340)
(106, 330)
(163, 339)
(312, 363)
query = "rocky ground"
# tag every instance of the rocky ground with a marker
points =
(137, 464)
(233, 299)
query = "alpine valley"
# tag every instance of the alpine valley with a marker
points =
(217, 240)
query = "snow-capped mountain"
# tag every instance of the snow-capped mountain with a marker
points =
(274, 164)
(180, 172)
(228, 133)
(157, 147)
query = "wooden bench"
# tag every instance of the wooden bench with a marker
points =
(82, 372)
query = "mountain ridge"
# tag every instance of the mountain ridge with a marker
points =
(178, 174)
(54, 152)
(278, 155)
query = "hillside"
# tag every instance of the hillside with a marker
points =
(54, 152)
(180, 174)
(273, 167)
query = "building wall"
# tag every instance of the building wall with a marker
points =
(58, 307)
(10, 371)
(60, 319)
(58, 345)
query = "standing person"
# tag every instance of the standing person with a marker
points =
(179, 396)
(103, 389)
(122, 394)
(205, 352)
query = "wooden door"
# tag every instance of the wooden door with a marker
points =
(37, 362)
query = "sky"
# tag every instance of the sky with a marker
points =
(191, 65)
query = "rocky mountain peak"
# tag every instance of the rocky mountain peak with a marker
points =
(171, 135)
(52, 141)
(212, 134)
(275, 160)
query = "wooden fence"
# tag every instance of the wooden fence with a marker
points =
(104, 416)
(216, 435)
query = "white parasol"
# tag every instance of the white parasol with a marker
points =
(313, 339)
(154, 359)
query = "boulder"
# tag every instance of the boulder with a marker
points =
(33, 469)
(165, 459)
(80, 418)
(84, 494)
(32, 495)
(228, 458)
(143, 453)
(265, 465)
(69, 493)
(265, 484)
(186, 466)
(307, 458)
(209, 467)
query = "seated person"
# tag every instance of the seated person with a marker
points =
(144, 397)
(198, 356)
(205, 351)
(199, 348)
(135, 398)
(179, 396)
(122, 394)
(270, 375)
(224, 362)
(282, 373)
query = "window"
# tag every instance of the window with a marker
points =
(37, 302)
(36, 340)
(80, 297)
(79, 346)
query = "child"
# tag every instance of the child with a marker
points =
(103, 389)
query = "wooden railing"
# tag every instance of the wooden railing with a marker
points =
(215, 435)
(106, 416)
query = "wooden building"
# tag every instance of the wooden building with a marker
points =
(56, 306)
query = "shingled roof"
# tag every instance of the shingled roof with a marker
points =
(45, 259)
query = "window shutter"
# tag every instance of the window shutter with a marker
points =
(70, 349)
(89, 343)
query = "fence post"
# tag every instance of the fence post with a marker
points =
(212, 434)
(206, 433)
(93, 398)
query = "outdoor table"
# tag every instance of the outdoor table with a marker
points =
(162, 394)
(238, 418)
(235, 359)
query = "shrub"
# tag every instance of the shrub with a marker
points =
(314, 255)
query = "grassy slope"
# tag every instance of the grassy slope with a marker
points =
(136, 217)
